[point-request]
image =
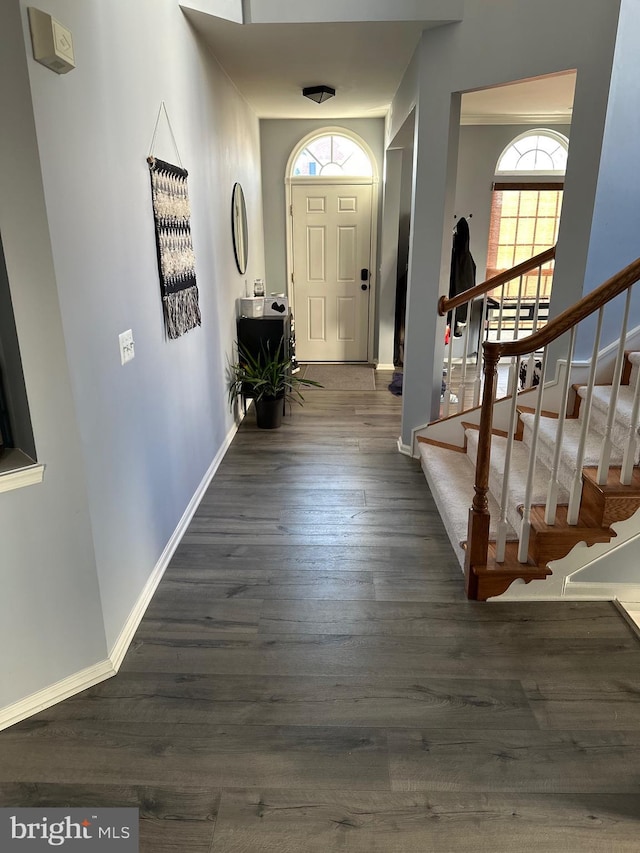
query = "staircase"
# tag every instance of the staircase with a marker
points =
(553, 467)
(450, 473)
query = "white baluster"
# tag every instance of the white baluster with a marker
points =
(537, 302)
(500, 314)
(516, 322)
(447, 380)
(525, 528)
(605, 452)
(513, 368)
(512, 381)
(531, 363)
(484, 334)
(462, 390)
(554, 485)
(575, 495)
(629, 458)
(501, 539)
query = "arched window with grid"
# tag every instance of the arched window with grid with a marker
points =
(332, 155)
(525, 210)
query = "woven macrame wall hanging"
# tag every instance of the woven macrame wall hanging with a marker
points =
(176, 261)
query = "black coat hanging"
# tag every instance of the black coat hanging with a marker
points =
(463, 267)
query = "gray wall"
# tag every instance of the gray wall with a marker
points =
(278, 139)
(125, 447)
(616, 218)
(455, 59)
(50, 610)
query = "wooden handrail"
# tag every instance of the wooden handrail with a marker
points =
(478, 528)
(445, 305)
(589, 304)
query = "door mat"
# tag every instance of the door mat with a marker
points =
(341, 377)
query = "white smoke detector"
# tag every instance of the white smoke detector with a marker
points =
(52, 42)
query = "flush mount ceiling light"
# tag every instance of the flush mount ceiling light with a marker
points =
(318, 93)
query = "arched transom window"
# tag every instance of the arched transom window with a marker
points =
(525, 213)
(330, 155)
(537, 151)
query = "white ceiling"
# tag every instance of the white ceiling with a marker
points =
(546, 100)
(364, 62)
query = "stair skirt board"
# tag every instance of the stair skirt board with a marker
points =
(450, 476)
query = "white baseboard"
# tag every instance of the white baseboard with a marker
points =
(94, 674)
(54, 693)
(129, 628)
(405, 449)
(386, 367)
(629, 611)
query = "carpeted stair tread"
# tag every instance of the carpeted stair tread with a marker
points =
(570, 443)
(517, 477)
(600, 411)
(450, 476)
(634, 359)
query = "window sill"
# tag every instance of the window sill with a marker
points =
(18, 470)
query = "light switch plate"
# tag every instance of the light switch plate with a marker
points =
(127, 351)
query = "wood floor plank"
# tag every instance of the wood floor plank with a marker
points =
(423, 619)
(180, 587)
(194, 648)
(101, 752)
(473, 760)
(308, 524)
(430, 585)
(248, 502)
(197, 561)
(170, 818)
(410, 520)
(586, 701)
(302, 701)
(321, 537)
(233, 615)
(274, 821)
(348, 556)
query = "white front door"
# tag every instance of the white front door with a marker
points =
(331, 233)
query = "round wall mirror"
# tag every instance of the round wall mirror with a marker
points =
(239, 228)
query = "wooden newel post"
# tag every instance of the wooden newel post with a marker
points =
(479, 518)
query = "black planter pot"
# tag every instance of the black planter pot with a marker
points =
(269, 412)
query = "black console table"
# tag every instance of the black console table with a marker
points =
(257, 334)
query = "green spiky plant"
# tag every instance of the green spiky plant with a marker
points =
(265, 376)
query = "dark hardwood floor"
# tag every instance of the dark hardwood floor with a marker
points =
(309, 677)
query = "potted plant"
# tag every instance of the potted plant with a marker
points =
(267, 378)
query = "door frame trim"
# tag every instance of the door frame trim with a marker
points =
(337, 180)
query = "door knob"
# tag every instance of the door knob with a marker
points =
(364, 287)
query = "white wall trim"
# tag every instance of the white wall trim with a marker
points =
(405, 449)
(373, 180)
(54, 693)
(98, 672)
(18, 470)
(516, 118)
(380, 366)
(21, 477)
